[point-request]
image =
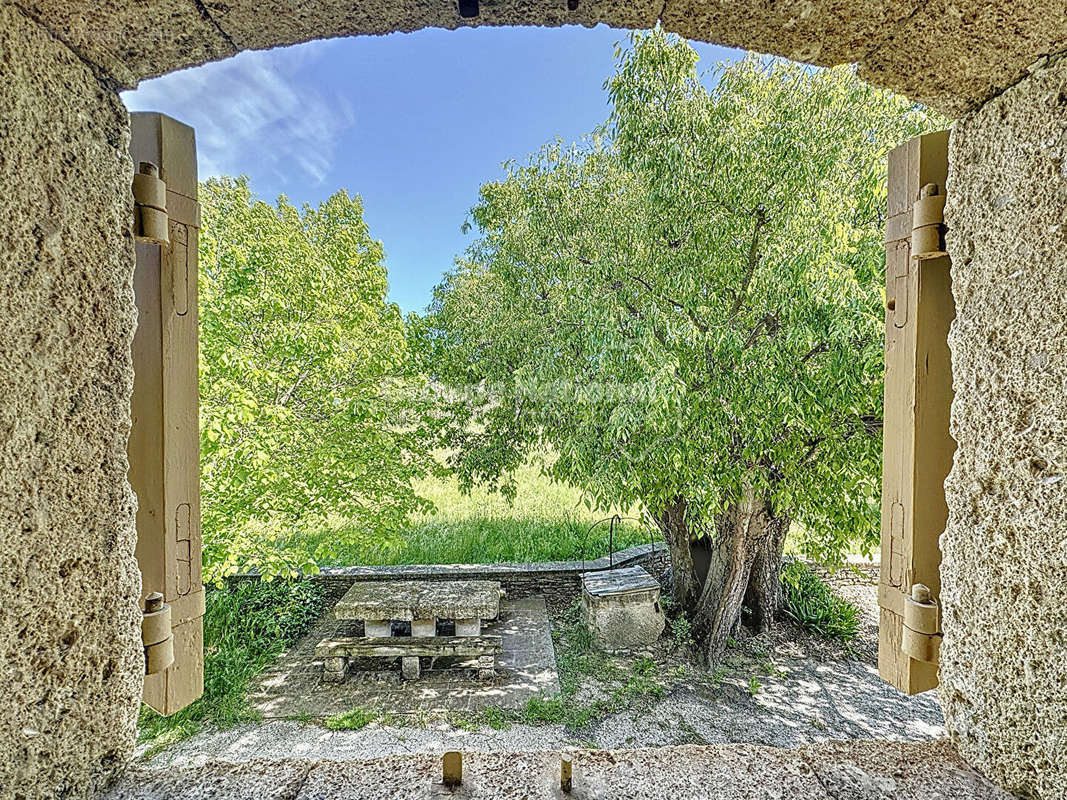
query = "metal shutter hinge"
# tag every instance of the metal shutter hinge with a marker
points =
(156, 635)
(928, 223)
(150, 205)
(922, 635)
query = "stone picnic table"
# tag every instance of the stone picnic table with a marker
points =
(379, 604)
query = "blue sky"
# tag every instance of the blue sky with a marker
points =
(414, 123)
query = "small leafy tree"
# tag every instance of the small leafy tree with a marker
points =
(688, 307)
(305, 407)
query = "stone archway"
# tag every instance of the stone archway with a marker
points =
(950, 55)
(69, 635)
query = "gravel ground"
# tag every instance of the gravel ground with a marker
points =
(785, 689)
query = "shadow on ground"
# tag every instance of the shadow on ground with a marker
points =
(293, 685)
(786, 690)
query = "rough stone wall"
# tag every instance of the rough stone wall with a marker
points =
(1004, 574)
(69, 628)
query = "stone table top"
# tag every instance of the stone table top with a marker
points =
(412, 600)
(618, 581)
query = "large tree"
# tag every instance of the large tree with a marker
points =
(687, 306)
(305, 408)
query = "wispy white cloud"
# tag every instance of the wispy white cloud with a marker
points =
(264, 107)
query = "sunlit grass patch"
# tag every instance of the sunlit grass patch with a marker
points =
(547, 521)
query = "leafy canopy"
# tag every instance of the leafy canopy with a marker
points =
(688, 303)
(303, 411)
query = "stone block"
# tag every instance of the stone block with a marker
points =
(486, 667)
(70, 631)
(424, 627)
(469, 627)
(412, 600)
(334, 670)
(622, 608)
(377, 627)
(1004, 568)
(409, 667)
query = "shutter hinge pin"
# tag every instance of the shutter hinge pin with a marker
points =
(156, 635)
(921, 635)
(150, 205)
(928, 223)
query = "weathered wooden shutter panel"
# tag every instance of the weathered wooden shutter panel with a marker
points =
(918, 395)
(164, 446)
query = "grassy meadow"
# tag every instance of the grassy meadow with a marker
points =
(546, 521)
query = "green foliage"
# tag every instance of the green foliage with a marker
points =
(496, 718)
(354, 720)
(718, 676)
(577, 656)
(246, 626)
(812, 605)
(306, 402)
(578, 660)
(681, 632)
(754, 686)
(688, 304)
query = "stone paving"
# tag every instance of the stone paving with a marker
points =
(867, 770)
(293, 686)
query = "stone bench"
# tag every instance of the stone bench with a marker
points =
(337, 652)
(382, 606)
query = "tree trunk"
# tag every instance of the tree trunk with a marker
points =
(745, 560)
(673, 524)
(763, 598)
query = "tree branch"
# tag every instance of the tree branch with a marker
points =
(699, 324)
(753, 259)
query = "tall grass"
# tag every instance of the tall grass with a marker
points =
(547, 521)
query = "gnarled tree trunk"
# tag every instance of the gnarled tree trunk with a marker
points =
(745, 556)
(674, 525)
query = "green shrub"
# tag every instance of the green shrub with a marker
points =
(812, 605)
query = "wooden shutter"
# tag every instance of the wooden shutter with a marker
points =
(918, 394)
(164, 446)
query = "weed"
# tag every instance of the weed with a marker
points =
(692, 735)
(718, 676)
(550, 710)
(356, 719)
(465, 722)
(754, 686)
(576, 653)
(496, 718)
(812, 605)
(770, 668)
(302, 716)
(681, 632)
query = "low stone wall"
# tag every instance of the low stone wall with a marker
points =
(558, 581)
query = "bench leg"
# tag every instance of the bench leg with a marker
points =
(424, 627)
(486, 667)
(468, 627)
(334, 669)
(377, 627)
(409, 667)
